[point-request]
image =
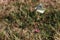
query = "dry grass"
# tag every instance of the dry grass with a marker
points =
(19, 21)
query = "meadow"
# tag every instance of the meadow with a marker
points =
(19, 21)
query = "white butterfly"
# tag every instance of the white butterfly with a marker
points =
(40, 8)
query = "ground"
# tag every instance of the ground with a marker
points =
(19, 21)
